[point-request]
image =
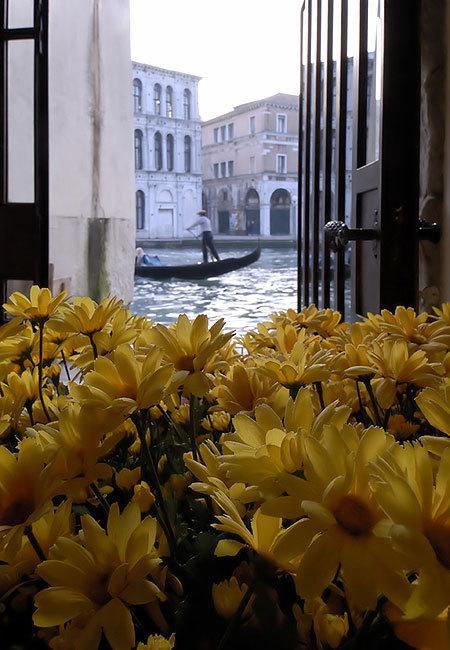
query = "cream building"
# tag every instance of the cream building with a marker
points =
(167, 149)
(250, 167)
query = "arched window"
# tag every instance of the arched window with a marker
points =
(187, 104)
(169, 101)
(158, 151)
(157, 97)
(140, 210)
(187, 153)
(137, 95)
(169, 146)
(138, 162)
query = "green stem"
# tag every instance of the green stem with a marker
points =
(366, 421)
(29, 407)
(40, 369)
(63, 357)
(94, 347)
(193, 425)
(319, 389)
(171, 423)
(236, 619)
(152, 474)
(35, 544)
(96, 492)
(378, 417)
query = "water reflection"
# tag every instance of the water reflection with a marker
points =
(244, 297)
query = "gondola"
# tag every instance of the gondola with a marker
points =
(198, 271)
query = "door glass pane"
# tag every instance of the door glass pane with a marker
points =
(373, 81)
(322, 180)
(20, 107)
(311, 145)
(352, 48)
(302, 203)
(20, 13)
(335, 53)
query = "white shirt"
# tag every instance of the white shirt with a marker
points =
(204, 223)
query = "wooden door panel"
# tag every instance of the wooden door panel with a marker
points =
(24, 233)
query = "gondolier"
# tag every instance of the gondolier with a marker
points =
(207, 237)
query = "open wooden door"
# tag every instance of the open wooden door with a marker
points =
(24, 228)
(359, 154)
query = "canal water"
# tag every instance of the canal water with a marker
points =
(244, 297)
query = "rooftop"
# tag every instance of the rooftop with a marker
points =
(152, 68)
(279, 100)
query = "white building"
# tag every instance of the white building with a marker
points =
(167, 152)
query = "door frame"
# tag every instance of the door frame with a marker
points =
(398, 173)
(24, 227)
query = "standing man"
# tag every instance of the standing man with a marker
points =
(207, 236)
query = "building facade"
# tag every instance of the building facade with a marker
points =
(250, 162)
(167, 152)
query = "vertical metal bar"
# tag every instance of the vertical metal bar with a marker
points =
(327, 143)
(300, 160)
(4, 102)
(316, 173)
(41, 137)
(360, 90)
(307, 161)
(3, 128)
(341, 142)
(359, 133)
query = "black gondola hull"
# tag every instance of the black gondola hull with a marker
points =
(198, 271)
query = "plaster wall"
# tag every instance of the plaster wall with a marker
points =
(91, 155)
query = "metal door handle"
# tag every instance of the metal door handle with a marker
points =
(339, 234)
(429, 231)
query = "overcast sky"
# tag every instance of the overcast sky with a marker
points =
(242, 49)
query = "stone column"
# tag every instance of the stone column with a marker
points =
(264, 216)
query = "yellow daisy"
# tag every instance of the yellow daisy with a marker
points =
(95, 581)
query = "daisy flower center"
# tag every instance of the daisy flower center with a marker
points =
(185, 363)
(354, 515)
(16, 512)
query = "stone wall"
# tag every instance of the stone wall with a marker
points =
(432, 128)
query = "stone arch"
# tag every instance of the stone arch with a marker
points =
(252, 212)
(224, 208)
(280, 212)
(165, 196)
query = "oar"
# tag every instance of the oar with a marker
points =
(208, 254)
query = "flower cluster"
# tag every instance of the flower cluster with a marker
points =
(179, 487)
